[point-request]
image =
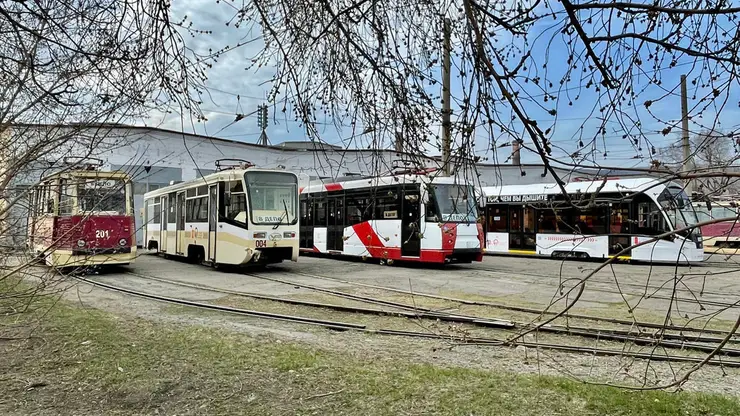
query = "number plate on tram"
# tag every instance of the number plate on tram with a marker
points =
(260, 243)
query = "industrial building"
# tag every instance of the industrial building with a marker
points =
(156, 157)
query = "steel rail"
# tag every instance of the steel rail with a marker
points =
(341, 308)
(664, 339)
(626, 322)
(709, 302)
(465, 340)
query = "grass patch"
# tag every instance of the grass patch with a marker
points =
(84, 361)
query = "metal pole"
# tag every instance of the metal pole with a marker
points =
(685, 144)
(446, 125)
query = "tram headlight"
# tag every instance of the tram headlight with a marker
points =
(260, 235)
(80, 243)
(289, 234)
(122, 242)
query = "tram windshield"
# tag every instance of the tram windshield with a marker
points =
(272, 197)
(678, 207)
(454, 203)
(101, 196)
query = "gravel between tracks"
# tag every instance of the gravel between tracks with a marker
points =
(519, 360)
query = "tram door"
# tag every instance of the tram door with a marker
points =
(179, 234)
(163, 231)
(410, 241)
(212, 221)
(335, 223)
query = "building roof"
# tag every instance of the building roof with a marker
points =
(307, 144)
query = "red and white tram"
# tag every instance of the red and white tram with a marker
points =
(721, 236)
(82, 217)
(403, 217)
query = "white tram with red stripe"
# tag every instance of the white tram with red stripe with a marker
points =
(414, 217)
(601, 220)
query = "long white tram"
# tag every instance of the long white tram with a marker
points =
(413, 217)
(608, 217)
(238, 216)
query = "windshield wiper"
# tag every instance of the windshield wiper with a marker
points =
(280, 222)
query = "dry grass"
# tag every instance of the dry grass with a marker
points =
(83, 361)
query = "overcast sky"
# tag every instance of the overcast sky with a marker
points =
(234, 90)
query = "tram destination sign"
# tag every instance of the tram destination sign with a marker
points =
(517, 198)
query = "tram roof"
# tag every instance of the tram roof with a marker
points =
(375, 181)
(87, 173)
(224, 175)
(611, 185)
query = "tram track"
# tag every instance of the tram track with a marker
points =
(639, 324)
(483, 341)
(621, 283)
(664, 339)
(646, 294)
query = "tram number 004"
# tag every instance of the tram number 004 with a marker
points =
(260, 243)
(102, 234)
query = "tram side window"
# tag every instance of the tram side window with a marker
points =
(592, 221)
(191, 209)
(620, 222)
(171, 206)
(49, 198)
(388, 205)
(336, 217)
(66, 199)
(156, 211)
(497, 219)
(320, 211)
(203, 211)
(196, 210)
(303, 204)
(35, 202)
(650, 219)
(358, 207)
(309, 213)
(548, 221)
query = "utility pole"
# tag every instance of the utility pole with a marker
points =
(446, 125)
(262, 123)
(686, 166)
(399, 142)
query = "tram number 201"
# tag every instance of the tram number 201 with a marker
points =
(102, 234)
(260, 243)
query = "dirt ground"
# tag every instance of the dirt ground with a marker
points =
(530, 282)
